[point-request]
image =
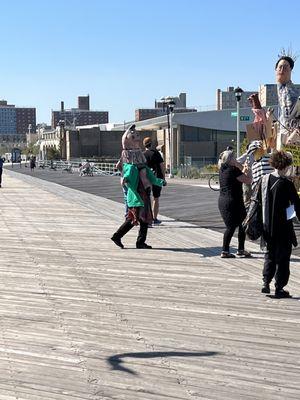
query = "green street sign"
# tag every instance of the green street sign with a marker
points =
(244, 118)
(233, 113)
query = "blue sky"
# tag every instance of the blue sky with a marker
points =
(127, 53)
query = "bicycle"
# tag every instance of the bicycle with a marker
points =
(213, 182)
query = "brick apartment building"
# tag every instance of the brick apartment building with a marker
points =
(82, 115)
(14, 121)
(159, 108)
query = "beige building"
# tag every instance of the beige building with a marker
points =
(97, 141)
(226, 99)
(159, 109)
(268, 94)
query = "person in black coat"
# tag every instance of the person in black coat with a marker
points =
(232, 175)
(279, 199)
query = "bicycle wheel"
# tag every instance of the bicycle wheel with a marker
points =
(213, 182)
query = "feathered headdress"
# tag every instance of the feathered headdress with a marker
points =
(288, 55)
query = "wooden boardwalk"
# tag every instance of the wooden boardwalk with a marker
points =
(83, 319)
(184, 200)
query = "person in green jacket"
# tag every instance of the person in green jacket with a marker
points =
(139, 179)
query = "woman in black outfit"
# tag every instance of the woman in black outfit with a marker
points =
(277, 194)
(232, 175)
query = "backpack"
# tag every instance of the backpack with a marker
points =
(253, 223)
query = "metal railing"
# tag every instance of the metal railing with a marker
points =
(102, 168)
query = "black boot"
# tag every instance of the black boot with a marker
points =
(265, 288)
(143, 246)
(117, 241)
(117, 236)
(282, 294)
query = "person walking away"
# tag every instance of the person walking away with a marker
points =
(1, 169)
(156, 163)
(279, 199)
(231, 205)
(32, 164)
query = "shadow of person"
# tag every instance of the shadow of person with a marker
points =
(203, 251)
(117, 360)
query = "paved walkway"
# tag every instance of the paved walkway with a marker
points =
(83, 319)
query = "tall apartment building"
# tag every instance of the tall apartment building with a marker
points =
(14, 121)
(79, 116)
(226, 99)
(268, 94)
(159, 109)
(84, 102)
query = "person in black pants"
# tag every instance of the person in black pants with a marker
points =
(279, 199)
(126, 227)
(138, 179)
(156, 163)
(232, 175)
(1, 169)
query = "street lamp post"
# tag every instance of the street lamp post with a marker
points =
(61, 124)
(169, 104)
(238, 95)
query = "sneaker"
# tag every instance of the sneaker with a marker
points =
(282, 294)
(243, 254)
(265, 288)
(226, 254)
(156, 221)
(117, 241)
(143, 246)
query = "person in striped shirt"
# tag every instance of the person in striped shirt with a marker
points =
(261, 165)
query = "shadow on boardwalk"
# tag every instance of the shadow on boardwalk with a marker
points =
(118, 359)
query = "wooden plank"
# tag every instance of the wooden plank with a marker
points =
(83, 319)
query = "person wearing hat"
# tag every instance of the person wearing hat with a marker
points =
(156, 163)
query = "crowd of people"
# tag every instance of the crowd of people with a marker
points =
(261, 175)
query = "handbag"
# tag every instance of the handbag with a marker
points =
(253, 223)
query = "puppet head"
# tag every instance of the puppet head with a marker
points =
(131, 139)
(284, 65)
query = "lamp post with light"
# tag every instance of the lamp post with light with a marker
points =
(62, 134)
(169, 104)
(238, 95)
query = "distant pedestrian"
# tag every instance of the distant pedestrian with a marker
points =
(280, 203)
(156, 163)
(1, 169)
(32, 164)
(231, 205)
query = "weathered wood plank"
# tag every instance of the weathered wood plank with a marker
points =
(82, 319)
